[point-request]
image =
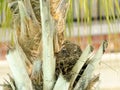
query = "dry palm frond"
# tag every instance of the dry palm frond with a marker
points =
(36, 76)
(36, 8)
(58, 11)
(30, 37)
(28, 29)
(32, 29)
(9, 85)
(30, 42)
(92, 83)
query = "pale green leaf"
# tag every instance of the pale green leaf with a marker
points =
(94, 62)
(78, 66)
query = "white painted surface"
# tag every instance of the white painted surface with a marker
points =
(5, 35)
(96, 28)
(4, 70)
(110, 71)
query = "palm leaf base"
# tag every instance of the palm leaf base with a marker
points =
(72, 64)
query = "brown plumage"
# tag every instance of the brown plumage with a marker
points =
(66, 59)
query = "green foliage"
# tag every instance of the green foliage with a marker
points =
(5, 14)
(1, 5)
(8, 17)
(5, 22)
(70, 17)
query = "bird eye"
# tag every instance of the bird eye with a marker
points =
(65, 53)
(63, 50)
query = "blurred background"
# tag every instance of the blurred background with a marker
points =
(88, 22)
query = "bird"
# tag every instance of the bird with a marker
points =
(66, 59)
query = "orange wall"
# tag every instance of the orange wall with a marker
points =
(3, 50)
(113, 43)
(95, 41)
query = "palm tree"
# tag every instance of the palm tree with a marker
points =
(40, 57)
